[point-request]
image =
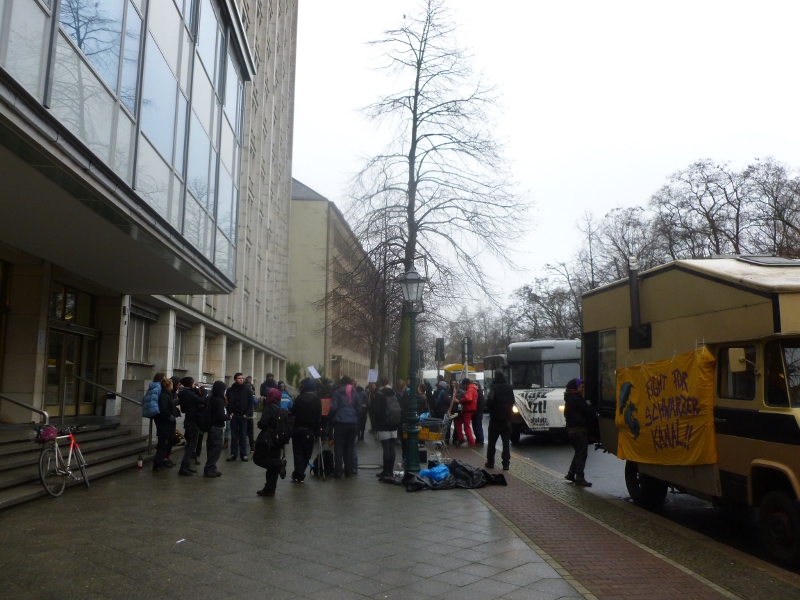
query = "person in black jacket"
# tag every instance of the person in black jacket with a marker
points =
(441, 400)
(191, 402)
(578, 416)
(240, 406)
(268, 422)
(386, 433)
(307, 412)
(268, 383)
(165, 427)
(500, 405)
(218, 416)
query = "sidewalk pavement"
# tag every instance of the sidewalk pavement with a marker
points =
(141, 535)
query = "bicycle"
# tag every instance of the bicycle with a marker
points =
(54, 471)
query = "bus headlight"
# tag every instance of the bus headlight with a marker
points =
(561, 408)
(514, 409)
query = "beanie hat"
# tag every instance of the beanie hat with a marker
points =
(574, 384)
(187, 382)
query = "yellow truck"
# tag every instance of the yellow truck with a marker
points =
(725, 426)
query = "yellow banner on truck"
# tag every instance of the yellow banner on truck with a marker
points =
(665, 411)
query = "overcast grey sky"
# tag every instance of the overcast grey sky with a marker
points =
(602, 100)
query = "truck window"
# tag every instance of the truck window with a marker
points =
(557, 375)
(791, 360)
(526, 375)
(607, 386)
(736, 386)
(775, 393)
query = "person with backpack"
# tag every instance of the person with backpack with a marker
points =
(165, 427)
(500, 405)
(477, 416)
(345, 408)
(240, 406)
(270, 424)
(307, 412)
(388, 415)
(191, 402)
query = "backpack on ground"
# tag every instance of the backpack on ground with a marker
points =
(394, 414)
(327, 462)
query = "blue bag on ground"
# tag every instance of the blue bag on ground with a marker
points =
(437, 473)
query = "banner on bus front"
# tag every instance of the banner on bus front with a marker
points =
(665, 410)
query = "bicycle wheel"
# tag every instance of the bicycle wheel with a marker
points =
(82, 464)
(52, 480)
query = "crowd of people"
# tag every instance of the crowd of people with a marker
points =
(337, 412)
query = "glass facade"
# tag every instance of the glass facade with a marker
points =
(154, 89)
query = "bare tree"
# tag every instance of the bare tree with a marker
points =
(441, 185)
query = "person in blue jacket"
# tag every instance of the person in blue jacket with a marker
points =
(286, 398)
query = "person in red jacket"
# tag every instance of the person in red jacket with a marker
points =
(464, 421)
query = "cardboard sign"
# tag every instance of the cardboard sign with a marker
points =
(665, 411)
(314, 372)
(372, 376)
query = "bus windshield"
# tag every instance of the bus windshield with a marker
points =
(536, 375)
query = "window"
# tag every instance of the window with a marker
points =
(138, 339)
(96, 28)
(179, 353)
(557, 375)
(736, 386)
(607, 368)
(70, 305)
(782, 362)
(526, 375)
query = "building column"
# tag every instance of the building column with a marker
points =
(162, 342)
(217, 357)
(248, 360)
(259, 374)
(234, 361)
(25, 354)
(269, 365)
(113, 313)
(195, 351)
(281, 370)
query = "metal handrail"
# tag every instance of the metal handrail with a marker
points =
(28, 406)
(105, 389)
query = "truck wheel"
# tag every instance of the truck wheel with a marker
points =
(779, 523)
(644, 490)
(515, 436)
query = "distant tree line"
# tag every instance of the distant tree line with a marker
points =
(706, 209)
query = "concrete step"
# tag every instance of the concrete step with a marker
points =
(83, 436)
(27, 432)
(30, 491)
(126, 447)
(32, 457)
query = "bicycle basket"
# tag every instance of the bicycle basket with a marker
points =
(46, 433)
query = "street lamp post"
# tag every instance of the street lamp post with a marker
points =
(413, 286)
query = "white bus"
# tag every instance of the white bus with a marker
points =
(538, 370)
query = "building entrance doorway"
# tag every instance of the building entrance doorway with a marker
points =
(70, 354)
